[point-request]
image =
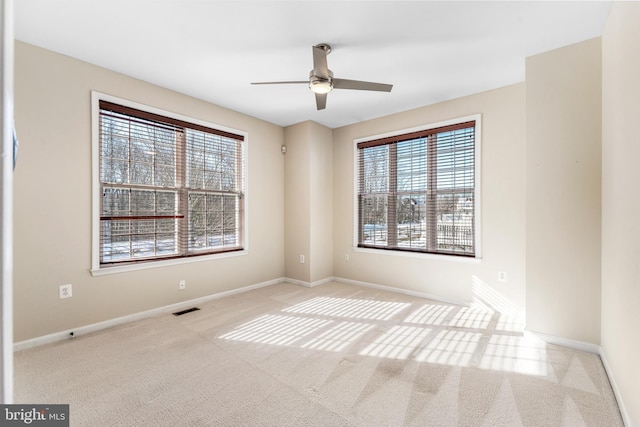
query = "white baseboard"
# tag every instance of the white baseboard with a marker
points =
(566, 342)
(309, 284)
(84, 330)
(616, 391)
(402, 291)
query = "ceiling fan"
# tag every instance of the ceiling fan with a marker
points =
(321, 80)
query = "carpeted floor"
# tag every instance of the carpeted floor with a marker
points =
(333, 355)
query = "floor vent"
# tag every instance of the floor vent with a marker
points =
(188, 310)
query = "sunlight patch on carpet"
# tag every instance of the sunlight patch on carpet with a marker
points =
(398, 343)
(338, 337)
(454, 348)
(430, 314)
(349, 307)
(276, 330)
(442, 334)
(524, 355)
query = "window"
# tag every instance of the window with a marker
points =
(417, 191)
(168, 188)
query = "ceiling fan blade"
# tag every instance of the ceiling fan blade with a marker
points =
(282, 83)
(321, 100)
(320, 67)
(360, 85)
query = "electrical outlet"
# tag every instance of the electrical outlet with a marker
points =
(182, 285)
(65, 291)
(301, 259)
(502, 276)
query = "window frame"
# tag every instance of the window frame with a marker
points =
(96, 267)
(477, 118)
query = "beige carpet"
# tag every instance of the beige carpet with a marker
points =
(334, 355)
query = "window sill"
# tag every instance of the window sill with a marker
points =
(425, 256)
(164, 263)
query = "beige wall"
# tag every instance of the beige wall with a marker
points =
(321, 169)
(297, 201)
(502, 206)
(563, 111)
(52, 222)
(308, 199)
(621, 203)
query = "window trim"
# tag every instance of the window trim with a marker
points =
(96, 268)
(477, 191)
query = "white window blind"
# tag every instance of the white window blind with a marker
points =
(416, 191)
(169, 188)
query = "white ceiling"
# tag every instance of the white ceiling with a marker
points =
(430, 51)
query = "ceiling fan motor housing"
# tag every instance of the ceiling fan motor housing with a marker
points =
(319, 84)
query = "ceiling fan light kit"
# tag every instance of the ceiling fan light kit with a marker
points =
(319, 84)
(321, 80)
